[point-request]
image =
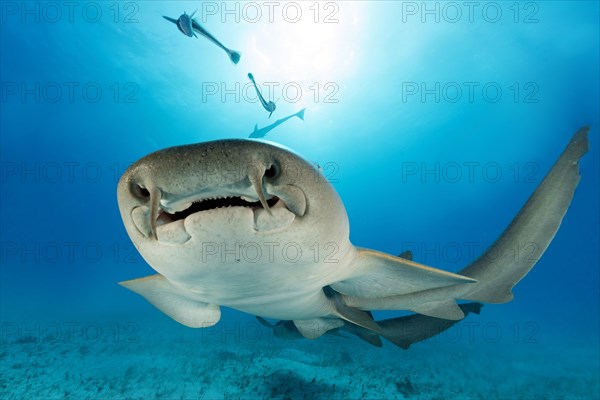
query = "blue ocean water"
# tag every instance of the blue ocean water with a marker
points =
(433, 120)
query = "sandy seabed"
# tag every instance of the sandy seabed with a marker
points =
(125, 361)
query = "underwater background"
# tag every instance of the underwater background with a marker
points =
(433, 120)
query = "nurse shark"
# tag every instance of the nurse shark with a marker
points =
(217, 220)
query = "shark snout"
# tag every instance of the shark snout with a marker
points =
(189, 191)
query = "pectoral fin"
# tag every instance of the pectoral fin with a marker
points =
(173, 301)
(378, 275)
(173, 20)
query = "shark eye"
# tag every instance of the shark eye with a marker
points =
(272, 172)
(139, 192)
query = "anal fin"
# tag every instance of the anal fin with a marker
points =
(317, 327)
(172, 301)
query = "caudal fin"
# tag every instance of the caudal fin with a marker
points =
(527, 237)
(300, 114)
(235, 56)
(495, 273)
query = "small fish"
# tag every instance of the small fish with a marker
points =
(258, 133)
(189, 26)
(270, 106)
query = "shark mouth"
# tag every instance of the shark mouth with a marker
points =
(167, 219)
(211, 204)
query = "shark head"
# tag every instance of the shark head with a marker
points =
(184, 23)
(175, 201)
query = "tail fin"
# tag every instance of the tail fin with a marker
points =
(235, 56)
(300, 114)
(522, 244)
(506, 262)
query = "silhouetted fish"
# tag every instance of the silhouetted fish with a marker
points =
(258, 133)
(269, 106)
(188, 26)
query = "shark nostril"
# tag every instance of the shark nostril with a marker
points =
(272, 172)
(140, 192)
